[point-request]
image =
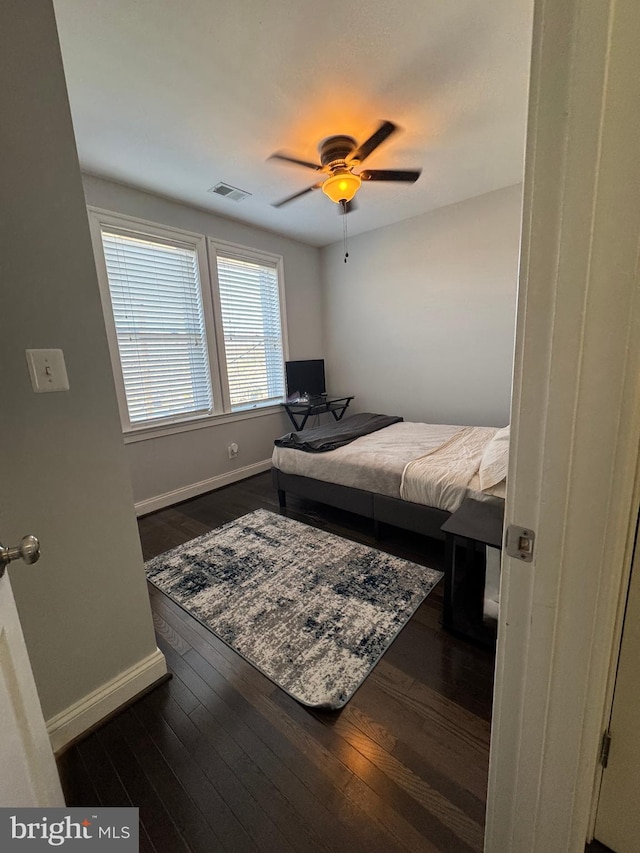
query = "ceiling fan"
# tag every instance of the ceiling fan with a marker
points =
(339, 156)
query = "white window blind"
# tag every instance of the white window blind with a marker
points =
(159, 321)
(250, 305)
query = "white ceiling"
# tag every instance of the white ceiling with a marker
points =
(174, 96)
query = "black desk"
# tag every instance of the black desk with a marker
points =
(303, 409)
(473, 526)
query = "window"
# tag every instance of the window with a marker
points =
(250, 307)
(193, 333)
(158, 315)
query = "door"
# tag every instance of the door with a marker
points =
(28, 776)
(575, 434)
(618, 818)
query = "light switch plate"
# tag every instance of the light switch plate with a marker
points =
(47, 370)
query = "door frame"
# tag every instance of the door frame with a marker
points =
(575, 440)
(632, 597)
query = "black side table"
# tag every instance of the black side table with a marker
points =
(303, 409)
(468, 531)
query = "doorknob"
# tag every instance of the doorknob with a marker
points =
(28, 550)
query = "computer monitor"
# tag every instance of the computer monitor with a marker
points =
(305, 377)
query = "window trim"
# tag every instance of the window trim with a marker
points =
(206, 249)
(146, 433)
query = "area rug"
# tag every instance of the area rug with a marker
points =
(312, 611)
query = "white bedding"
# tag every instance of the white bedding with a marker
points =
(441, 478)
(377, 463)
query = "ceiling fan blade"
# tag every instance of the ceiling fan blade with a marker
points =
(408, 176)
(287, 159)
(363, 151)
(347, 207)
(296, 195)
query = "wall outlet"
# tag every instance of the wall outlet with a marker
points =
(232, 450)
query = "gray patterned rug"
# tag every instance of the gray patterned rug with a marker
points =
(312, 611)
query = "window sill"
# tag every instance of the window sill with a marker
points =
(160, 430)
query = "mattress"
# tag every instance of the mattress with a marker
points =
(377, 462)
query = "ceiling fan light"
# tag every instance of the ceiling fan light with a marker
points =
(341, 187)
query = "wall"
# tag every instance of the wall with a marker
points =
(84, 607)
(174, 467)
(420, 321)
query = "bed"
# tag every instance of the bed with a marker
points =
(411, 475)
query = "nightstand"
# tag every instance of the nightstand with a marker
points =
(468, 532)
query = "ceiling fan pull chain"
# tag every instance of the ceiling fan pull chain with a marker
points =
(344, 229)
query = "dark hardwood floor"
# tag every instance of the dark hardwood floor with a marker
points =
(221, 759)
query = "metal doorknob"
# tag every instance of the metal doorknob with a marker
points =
(28, 550)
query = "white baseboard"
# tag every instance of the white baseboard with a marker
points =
(195, 489)
(80, 717)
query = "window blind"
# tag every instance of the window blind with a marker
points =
(159, 321)
(250, 306)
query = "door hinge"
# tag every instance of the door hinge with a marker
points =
(605, 746)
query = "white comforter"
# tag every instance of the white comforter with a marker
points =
(398, 460)
(442, 477)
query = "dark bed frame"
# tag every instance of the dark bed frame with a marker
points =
(380, 508)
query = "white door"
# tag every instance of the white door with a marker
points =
(575, 434)
(618, 819)
(28, 775)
